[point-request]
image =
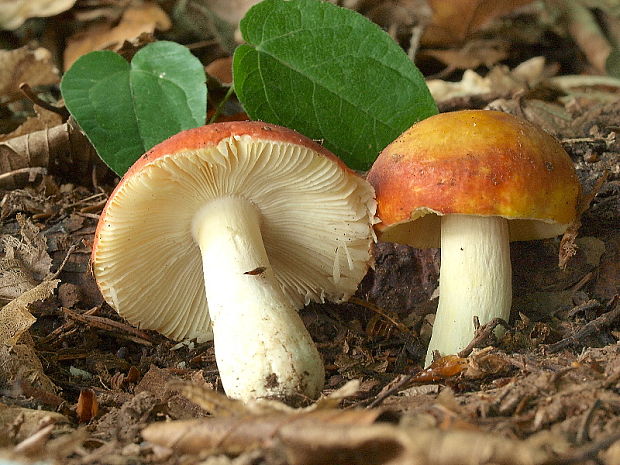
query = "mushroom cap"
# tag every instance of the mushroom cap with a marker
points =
(473, 162)
(316, 222)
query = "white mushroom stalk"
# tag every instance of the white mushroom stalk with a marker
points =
(261, 344)
(475, 279)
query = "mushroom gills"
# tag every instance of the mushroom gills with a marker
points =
(474, 280)
(262, 346)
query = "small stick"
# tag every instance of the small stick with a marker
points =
(586, 453)
(588, 329)
(375, 308)
(201, 44)
(107, 324)
(583, 434)
(88, 215)
(32, 172)
(64, 262)
(584, 307)
(481, 334)
(63, 330)
(397, 385)
(28, 92)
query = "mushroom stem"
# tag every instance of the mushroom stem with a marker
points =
(261, 344)
(475, 279)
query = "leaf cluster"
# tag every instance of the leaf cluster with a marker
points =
(326, 71)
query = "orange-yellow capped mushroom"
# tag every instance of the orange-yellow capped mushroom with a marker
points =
(475, 162)
(471, 181)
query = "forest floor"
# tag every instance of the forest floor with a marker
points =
(78, 385)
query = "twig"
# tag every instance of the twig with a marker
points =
(586, 453)
(481, 335)
(88, 199)
(63, 330)
(93, 177)
(584, 307)
(583, 434)
(31, 171)
(397, 385)
(64, 262)
(378, 310)
(588, 329)
(95, 207)
(35, 442)
(34, 98)
(201, 44)
(108, 325)
(582, 282)
(93, 216)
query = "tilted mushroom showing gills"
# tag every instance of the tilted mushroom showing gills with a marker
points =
(232, 227)
(471, 181)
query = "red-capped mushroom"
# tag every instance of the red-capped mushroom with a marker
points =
(233, 227)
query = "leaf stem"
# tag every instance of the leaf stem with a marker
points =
(34, 98)
(220, 106)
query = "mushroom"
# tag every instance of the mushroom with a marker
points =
(471, 181)
(226, 230)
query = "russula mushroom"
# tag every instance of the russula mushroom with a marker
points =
(470, 182)
(232, 227)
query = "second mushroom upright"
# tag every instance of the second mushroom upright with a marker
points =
(471, 181)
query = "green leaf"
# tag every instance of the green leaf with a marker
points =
(125, 109)
(612, 64)
(329, 73)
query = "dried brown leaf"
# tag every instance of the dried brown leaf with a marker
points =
(14, 323)
(387, 444)
(567, 245)
(231, 11)
(32, 248)
(62, 150)
(402, 19)
(549, 116)
(13, 13)
(500, 81)
(25, 263)
(486, 362)
(583, 26)
(26, 64)
(219, 405)
(20, 364)
(136, 20)
(234, 435)
(474, 54)
(35, 443)
(221, 69)
(44, 119)
(14, 316)
(69, 294)
(442, 368)
(344, 443)
(15, 279)
(21, 423)
(612, 455)
(453, 22)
